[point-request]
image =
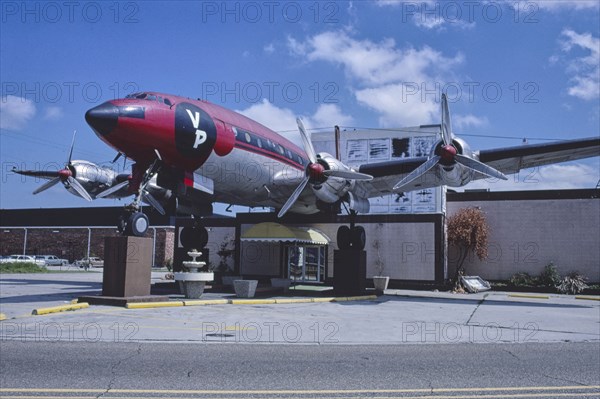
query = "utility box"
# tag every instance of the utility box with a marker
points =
(127, 266)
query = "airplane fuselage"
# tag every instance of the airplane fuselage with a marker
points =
(244, 159)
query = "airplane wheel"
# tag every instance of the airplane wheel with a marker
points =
(137, 225)
(343, 237)
(194, 237)
(358, 237)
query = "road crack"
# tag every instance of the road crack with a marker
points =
(113, 371)
(476, 308)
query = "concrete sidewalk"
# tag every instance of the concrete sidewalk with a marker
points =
(400, 316)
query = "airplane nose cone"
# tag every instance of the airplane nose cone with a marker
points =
(103, 118)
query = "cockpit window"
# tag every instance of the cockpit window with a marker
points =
(168, 102)
(151, 97)
(141, 95)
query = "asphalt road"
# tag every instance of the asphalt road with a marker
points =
(196, 370)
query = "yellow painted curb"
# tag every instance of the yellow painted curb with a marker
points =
(589, 298)
(529, 296)
(149, 305)
(293, 300)
(252, 301)
(320, 300)
(362, 298)
(340, 299)
(62, 308)
(2, 316)
(201, 302)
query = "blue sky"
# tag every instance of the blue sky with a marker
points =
(512, 71)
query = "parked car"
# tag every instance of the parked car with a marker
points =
(23, 259)
(92, 261)
(52, 260)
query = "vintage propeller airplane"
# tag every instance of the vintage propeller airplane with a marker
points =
(200, 153)
(205, 153)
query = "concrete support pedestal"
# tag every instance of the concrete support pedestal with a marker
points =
(127, 266)
(349, 272)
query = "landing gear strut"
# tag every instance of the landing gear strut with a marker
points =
(133, 222)
(351, 237)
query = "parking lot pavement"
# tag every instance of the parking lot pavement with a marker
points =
(400, 316)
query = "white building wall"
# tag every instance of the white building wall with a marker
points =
(526, 235)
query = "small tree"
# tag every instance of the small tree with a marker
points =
(468, 231)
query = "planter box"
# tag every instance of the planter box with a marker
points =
(380, 283)
(245, 288)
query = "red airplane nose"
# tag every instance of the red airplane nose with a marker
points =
(103, 118)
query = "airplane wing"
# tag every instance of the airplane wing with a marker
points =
(507, 160)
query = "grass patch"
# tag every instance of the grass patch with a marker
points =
(21, 267)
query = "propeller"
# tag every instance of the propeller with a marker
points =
(316, 171)
(66, 176)
(447, 155)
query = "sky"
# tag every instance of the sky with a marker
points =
(512, 70)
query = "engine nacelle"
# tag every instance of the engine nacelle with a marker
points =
(92, 177)
(452, 173)
(331, 189)
(462, 147)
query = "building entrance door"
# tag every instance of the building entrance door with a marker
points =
(306, 263)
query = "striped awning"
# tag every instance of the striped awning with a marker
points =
(275, 232)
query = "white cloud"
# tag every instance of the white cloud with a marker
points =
(551, 177)
(389, 79)
(269, 48)
(329, 115)
(283, 120)
(561, 5)
(584, 70)
(396, 108)
(53, 113)
(15, 112)
(374, 63)
(467, 121)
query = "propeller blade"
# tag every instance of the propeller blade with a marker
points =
(308, 147)
(112, 189)
(420, 171)
(153, 202)
(117, 157)
(446, 123)
(47, 185)
(72, 145)
(79, 188)
(293, 198)
(49, 174)
(480, 167)
(347, 174)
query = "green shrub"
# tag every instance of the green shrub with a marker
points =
(522, 279)
(549, 277)
(573, 283)
(21, 267)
